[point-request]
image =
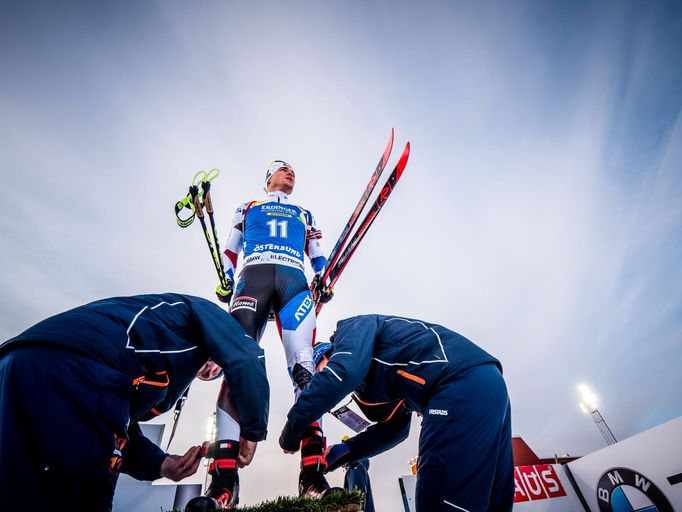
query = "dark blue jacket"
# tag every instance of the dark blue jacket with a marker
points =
(385, 360)
(159, 343)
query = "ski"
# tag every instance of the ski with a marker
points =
(332, 272)
(334, 254)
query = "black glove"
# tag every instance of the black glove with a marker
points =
(224, 294)
(321, 293)
(337, 456)
(326, 296)
(289, 441)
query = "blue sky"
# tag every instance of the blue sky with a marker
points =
(540, 214)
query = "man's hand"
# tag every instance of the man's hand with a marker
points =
(247, 449)
(337, 455)
(224, 294)
(321, 294)
(289, 442)
(177, 467)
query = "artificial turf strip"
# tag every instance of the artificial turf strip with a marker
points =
(345, 501)
(342, 501)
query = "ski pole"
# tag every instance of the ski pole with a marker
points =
(176, 415)
(199, 209)
(185, 202)
(208, 204)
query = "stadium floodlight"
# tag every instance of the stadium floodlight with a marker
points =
(588, 405)
(589, 399)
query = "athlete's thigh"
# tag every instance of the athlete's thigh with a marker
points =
(296, 323)
(252, 298)
(296, 316)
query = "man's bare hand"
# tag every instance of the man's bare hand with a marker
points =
(247, 449)
(177, 467)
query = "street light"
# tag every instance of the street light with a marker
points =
(588, 405)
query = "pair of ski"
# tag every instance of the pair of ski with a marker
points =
(346, 245)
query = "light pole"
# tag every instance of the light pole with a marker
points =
(588, 405)
(210, 437)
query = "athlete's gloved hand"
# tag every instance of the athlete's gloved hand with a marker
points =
(322, 295)
(337, 455)
(288, 441)
(326, 296)
(224, 294)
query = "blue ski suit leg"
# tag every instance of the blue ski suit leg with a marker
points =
(285, 290)
(465, 454)
(296, 322)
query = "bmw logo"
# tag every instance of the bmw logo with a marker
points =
(625, 490)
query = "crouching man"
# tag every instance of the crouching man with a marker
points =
(395, 366)
(74, 387)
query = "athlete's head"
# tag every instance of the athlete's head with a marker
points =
(280, 177)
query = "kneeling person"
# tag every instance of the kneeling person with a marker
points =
(74, 387)
(396, 366)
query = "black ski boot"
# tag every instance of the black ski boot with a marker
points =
(201, 504)
(311, 480)
(224, 487)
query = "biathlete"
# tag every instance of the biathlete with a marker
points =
(274, 236)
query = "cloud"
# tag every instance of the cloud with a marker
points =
(539, 214)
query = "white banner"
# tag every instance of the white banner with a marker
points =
(642, 473)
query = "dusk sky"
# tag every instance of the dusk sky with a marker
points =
(540, 214)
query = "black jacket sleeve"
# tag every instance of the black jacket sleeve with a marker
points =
(380, 437)
(244, 364)
(347, 367)
(142, 459)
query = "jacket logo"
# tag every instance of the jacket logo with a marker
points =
(438, 412)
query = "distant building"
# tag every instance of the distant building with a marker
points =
(524, 456)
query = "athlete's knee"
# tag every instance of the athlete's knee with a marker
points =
(301, 376)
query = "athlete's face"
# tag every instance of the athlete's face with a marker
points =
(209, 371)
(282, 181)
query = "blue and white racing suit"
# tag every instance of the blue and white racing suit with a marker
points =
(274, 236)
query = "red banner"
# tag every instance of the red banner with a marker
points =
(532, 483)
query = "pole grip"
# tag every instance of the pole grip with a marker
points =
(196, 199)
(206, 187)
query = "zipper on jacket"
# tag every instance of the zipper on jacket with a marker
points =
(412, 377)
